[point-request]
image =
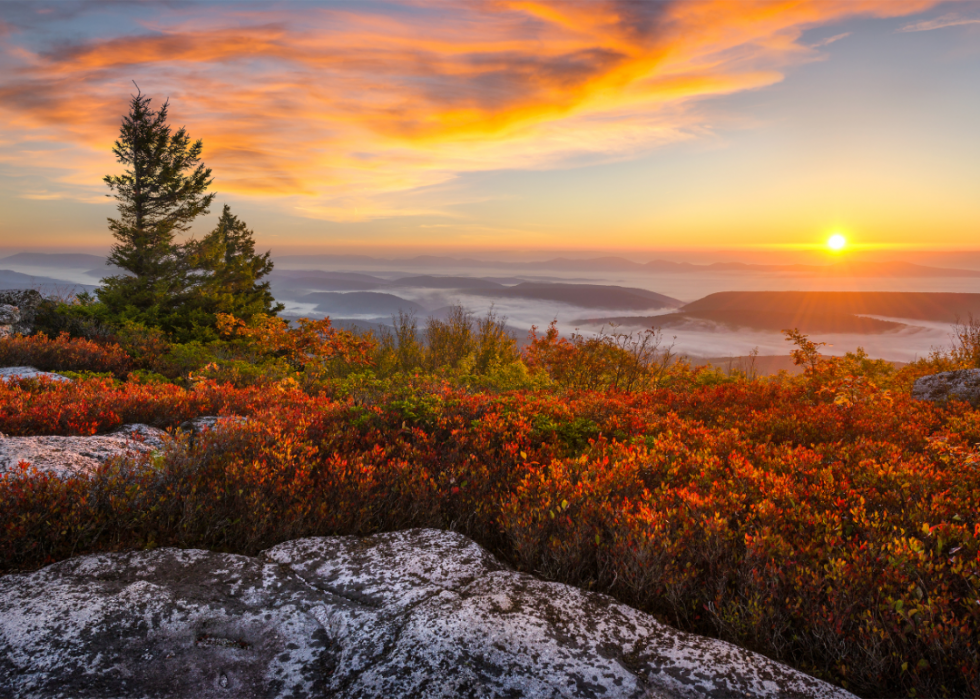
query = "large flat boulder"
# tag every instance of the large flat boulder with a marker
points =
(963, 385)
(419, 613)
(66, 456)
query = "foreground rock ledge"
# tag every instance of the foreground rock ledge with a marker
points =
(418, 613)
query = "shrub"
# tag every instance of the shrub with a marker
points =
(824, 520)
(617, 361)
(480, 353)
(64, 353)
(966, 343)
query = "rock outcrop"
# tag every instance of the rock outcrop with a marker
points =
(71, 455)
(418, 613)
(963, 385)
(9, 316)
(19, 306)
(28, 372)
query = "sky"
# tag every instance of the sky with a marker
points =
(510, 126)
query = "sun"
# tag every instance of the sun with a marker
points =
(836, 242)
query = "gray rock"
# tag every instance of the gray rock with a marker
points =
(26, 301)
(963, 385)
(208, 422)
(419, 613)
(9, 314)
(28, 372)
(192, 428)
(73, 455)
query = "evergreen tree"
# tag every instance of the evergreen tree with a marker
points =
(226, 272)
(161, 192)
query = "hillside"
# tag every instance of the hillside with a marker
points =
(799, 305)
(431, 282)
(772, 321)
(54, 259)
(360, 303)
(584, 295)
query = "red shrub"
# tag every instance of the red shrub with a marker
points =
(63, 354)
(842, 537)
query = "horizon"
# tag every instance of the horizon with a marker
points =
(954, 258)
(672, 130)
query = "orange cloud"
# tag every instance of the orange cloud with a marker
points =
(338, 113)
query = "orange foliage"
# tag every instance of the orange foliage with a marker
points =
(840, 536)
(614, 361)
(64, 353)
(313, 338)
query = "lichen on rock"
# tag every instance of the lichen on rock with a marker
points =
(28, 372)
(26, 302)
(419, 613)
(65, 456)
(963, 384)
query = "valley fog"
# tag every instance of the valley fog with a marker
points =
(697, 338)
(582, 296)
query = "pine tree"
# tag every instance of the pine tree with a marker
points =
(160, 194)
(226, 272)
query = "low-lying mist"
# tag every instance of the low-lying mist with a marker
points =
(523, 295)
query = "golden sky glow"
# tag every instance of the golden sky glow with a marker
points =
(362, 113)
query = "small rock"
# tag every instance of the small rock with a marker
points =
(963, 385)
(73, 455)
(9, 314)
(28, 372)
(152, 437)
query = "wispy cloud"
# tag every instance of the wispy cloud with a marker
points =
(63, 196)
(830, 40)
(345, 109)
(950, 20)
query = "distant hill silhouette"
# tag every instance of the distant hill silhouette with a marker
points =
(46, 285)
(584, 295)
(360, 303)
(916, 305)
(68, 260)
(844, 268)
(289, 282)
(433, 282)
(813, 311)
(308, 274)
(770, 321)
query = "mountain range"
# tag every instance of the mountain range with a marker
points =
(844, 268)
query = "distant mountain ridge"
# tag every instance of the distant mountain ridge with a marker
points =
(814, 311)
(368, 303)
(844, 268)
(584, 295)
(894, 268)
(46, 285)
(915, 305)
(73, 260)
